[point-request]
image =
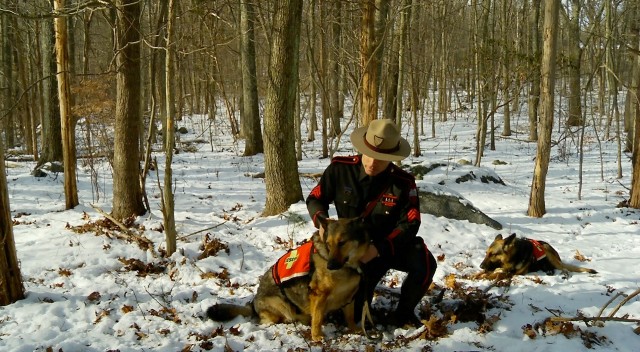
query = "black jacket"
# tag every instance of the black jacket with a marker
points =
(392, 197)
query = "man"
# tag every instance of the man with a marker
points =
(371, 186)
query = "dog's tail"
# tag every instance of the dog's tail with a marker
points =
(226, 311)
(559, 264)
(577, 269)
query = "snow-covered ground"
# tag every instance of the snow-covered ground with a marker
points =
(89, 290)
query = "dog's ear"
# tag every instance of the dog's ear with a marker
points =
(498, 237)
(509, 240)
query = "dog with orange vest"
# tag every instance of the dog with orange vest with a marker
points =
(305, 284)
(510, 256)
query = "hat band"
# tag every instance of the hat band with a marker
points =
(380, 150)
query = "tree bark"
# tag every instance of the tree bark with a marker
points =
(127, 193)
(251, 114)
(574, 53)
(634, 198)
(534, 90)
(369, 65)
(11, 287)
(167, 199)
(68, 124)
(550, 33)
(281, 167)
(51, 139)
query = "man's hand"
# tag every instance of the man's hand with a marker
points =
(372, 252)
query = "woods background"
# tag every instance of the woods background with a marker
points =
(118, 74)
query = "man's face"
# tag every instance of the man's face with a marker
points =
(373, 167)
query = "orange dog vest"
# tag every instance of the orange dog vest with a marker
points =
(538, 251)
(295, 263)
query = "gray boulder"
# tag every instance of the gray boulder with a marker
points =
(452, 207)
(437, 181)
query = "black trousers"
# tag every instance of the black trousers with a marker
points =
(416, 260)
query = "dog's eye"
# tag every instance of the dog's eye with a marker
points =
(342, 243)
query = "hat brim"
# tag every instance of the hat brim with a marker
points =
(357, 139)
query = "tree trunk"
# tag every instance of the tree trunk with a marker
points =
(548, 70)
(167, 199)
(333, 58)
(51, 131)
(389, 81)
(634, 198)
(7, 120)
(68, 124)
(414, 77)
(281, 168)
(312, 125)
(506, 68)
(574, 53)
(127, 193)
(368, 64)
(534, 90)
(404, 22)
(11, 287)
(251, 113)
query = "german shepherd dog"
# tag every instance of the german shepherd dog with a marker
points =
(517, 256)
(330, 285)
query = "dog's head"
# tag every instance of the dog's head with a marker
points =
(346, 241)
(499, 253)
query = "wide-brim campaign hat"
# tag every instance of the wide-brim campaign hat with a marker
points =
(381, 140)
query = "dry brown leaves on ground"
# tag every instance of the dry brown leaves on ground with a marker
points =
(566, 328)
(211, 246)
(142, 269)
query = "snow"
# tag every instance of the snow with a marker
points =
(81, 294)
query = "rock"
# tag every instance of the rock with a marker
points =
(452, 207)
(38, 173)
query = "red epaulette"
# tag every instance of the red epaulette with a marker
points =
(351, 160)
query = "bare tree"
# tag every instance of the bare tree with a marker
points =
(574, 53)
(634, 199)
(369, 64)
(548, 70)
(11, 287)
(51, 134)
(534, 90)
(64, 95)
(251, 114)
(281, 167)
(127, 193)
(167, 199)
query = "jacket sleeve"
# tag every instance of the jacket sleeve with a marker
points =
(407, 225)
(321, 196)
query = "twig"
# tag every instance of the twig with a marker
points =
(635, 293)
(113, 220)
(600, 318)
(593, 319)
(203, 230)
(608, 303)
(142, 241)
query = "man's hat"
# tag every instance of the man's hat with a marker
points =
(381, 140)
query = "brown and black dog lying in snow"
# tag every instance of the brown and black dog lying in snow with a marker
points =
(517, 256)
(329, 282)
